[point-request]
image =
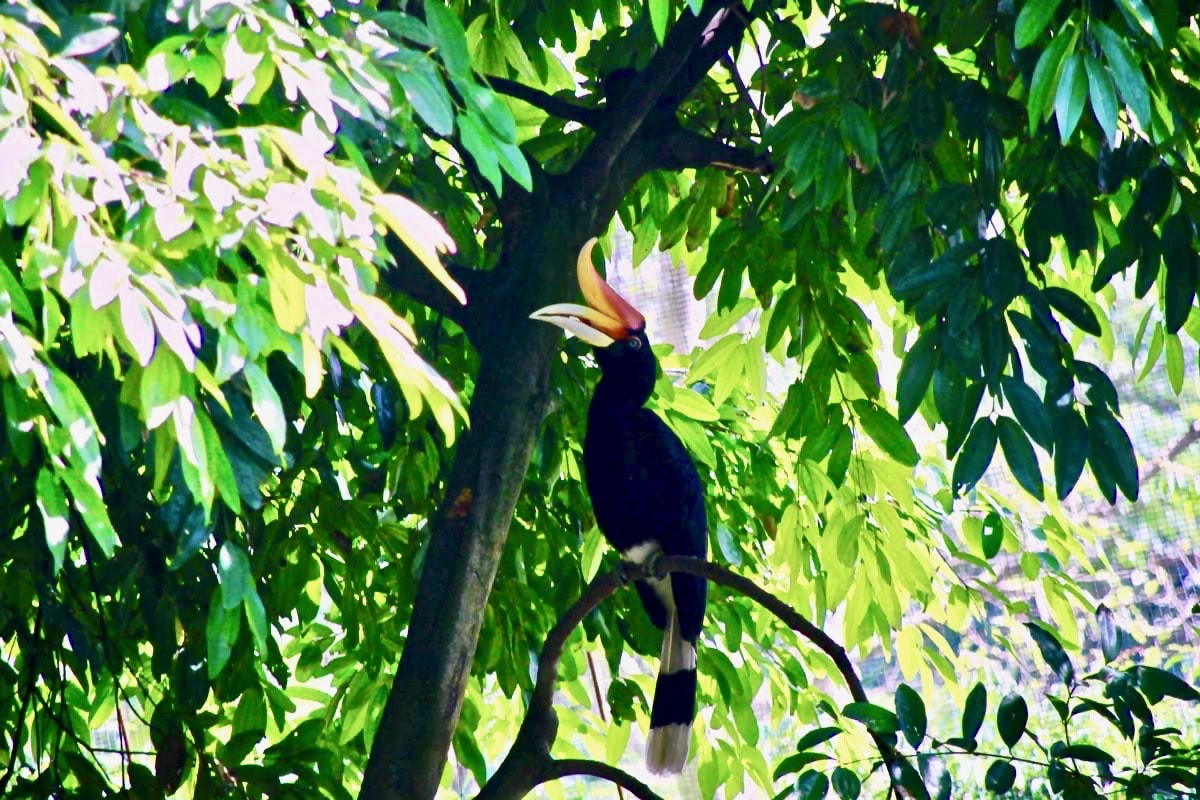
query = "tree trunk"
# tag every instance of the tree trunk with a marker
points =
(470, 529)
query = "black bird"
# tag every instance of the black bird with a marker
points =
(646, 494)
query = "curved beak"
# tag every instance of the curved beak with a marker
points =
(607, 316)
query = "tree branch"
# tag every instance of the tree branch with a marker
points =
(744, 92)
(529, 763)
(685, 149)
(410, 277)
(566, 767)
(554, 106)
(1174, 451)
(672, 73)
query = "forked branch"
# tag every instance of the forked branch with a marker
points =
(529, 763)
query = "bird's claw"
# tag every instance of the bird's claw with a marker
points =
(653, 566)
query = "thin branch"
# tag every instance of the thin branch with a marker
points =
(554, 106)
(1174, 451)
(744, 92)
(717, 574)
(683, 149)
(668, 78)
(566, 767)
(410, 277)
(529, 763)
(600, 706)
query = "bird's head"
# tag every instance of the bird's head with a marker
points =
(608, 323)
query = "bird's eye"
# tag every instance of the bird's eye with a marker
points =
(634, 343)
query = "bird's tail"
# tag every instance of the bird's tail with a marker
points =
(674, 705)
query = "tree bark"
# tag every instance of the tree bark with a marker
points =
(543, 233)
(470, 529)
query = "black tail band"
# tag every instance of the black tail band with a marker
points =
(674, 699)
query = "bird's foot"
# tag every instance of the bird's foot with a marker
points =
(654, 567)
(625, 572)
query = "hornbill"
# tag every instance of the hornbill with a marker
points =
(646, 495)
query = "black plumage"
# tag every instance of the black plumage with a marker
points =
(646, 494)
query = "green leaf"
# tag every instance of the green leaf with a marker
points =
(1011, 718)
(976, 455)
(797, 762)
(267, 405)
(910, 709)
(1157, 683)
(1085, 752)
(1070, 450)
(451, 40)
(845, 783)
(90, 504)
(1126, 70)
(993, 535)
(811, 785)
(659, 12)
(1034, 17)
(482, 147)
(876, 718)
(512, 160)
(1000, 777)
(1071, 95)
(1139, 16)
(1110, 635)
(886, 432)
(859, 133)
(1071, 306)
(233, 571)
(220, 633)
(1045, 78)
(1182, 269)
(52, 503)
(816, 736)
(1118, 456)
(1052, 652)
(974, 710)
(426, 93)
(1103, 93)
(1003, 272)
(1018, 452)
(256, 615)
(1175, 367)
(160, 387)
(916, 371)
(1029, 411)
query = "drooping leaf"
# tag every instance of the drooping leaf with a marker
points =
(1034, 17)
(916, 371)
(1052, 652)
(976, 454)
(1011, 718)
(1000, 777)
(1070, 450)
(1127, 72)
(910, 709)
(974, 711)
(886, 432)
(1019, 454)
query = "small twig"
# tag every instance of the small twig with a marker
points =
(744, 92)
(1174, 451)
(596, 687)
(554, 106)
(600, 706)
